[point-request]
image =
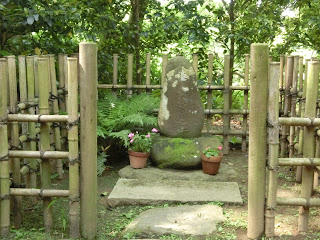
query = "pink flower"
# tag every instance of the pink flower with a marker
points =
(131, 140)
(154, 130)
(148, 135)
(220, 147)
(131, 135)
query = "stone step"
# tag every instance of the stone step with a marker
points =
(226, 174)
(139, 192)
(185, 221)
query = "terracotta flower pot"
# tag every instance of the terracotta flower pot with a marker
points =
(138, 159)
(211, 165)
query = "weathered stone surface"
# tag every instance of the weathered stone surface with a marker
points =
(180, 153)
(181, 113)
(197, 221)
(139, 192)
(226, 173)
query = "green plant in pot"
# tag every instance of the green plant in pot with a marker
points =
(211, 159)
(139, 147)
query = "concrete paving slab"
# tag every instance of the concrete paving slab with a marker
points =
(226, 173)
(139, 192)
(197, 220)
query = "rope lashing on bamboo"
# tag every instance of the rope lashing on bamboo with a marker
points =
(274, 169)
(72, 200)
(72, 124)
(4, 197)
(54, 125)
(13, 147)
(74, 161)
(41, 193)
(42, 153)
(271, 124)
(26, 105)
(55, 97)
(62, 91)
(5, 157)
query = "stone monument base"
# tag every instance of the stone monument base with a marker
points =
(181, 153)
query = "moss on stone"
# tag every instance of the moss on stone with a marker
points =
(180, 153)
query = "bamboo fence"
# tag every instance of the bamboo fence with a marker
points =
(40, 136)
(307, 141)
(226, 88)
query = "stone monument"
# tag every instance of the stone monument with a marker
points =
(180, 119)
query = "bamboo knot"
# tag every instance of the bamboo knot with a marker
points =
(4, 197)
(5, 157)
(34, 139)
(312, 120)
(75, 199)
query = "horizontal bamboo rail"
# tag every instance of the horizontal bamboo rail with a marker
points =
(26, 105)
(220, 111)
(297, 121)
(308, 162)
(37, 118)
(38, 192)
(205, 87)
(230, 132)
(38, 154)
(313, 202)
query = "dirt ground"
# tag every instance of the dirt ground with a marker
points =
(112, 221)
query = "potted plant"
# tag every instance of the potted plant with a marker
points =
(211, 159)
(139, 147)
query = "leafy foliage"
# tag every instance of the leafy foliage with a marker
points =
(116, 114)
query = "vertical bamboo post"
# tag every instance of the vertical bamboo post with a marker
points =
(195, 64)
(24, 99)
(209, 93)
(115, 73)
(226, 104)
(88, 138)
(36, 78)
(300, 91)
(148, 70)
(43, 74)
(62, 102)
(301, 134)
(65, 70)
(309, 141)
(163, 68)
(32, 125)
(287, 100)
(257, 140)
(281, 80)
(129, 75)
(73, 147)
(293, 103)
(4, 157)
(273, 135)
(55, 111)
(245, 105)
(12, 76)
